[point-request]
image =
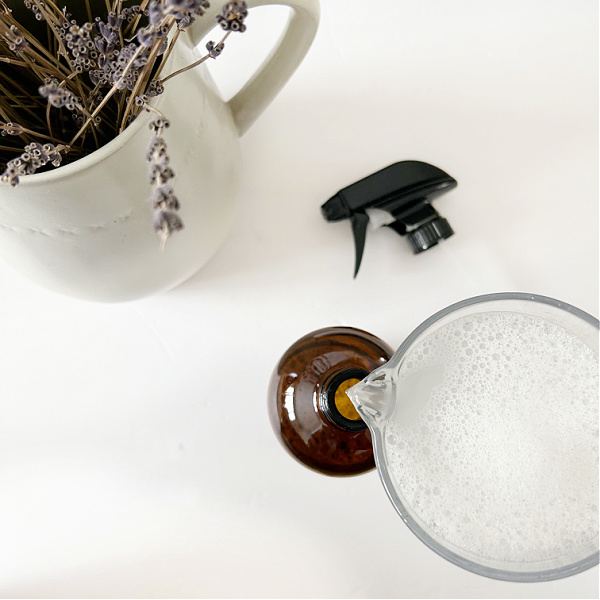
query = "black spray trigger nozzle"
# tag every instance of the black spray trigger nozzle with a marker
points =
(404, 190)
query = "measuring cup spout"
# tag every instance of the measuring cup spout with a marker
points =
(373, 397)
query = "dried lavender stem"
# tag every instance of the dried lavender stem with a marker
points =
(89, 10)
(119, 117)
(141, 82)
(49, 18)
(21, 103)
(95, 126)
(55, 65)
(33, 66)
(80, 107)
(167, 54)
(155, 111)
(132, 27)
(117, 8)
(11, 61)
(34, 133)
(57, 10)
(16, 85)
(44, 54)
(8, 95)
(48, 123)
(195, 64)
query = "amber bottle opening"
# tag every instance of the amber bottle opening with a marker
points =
(308, 406)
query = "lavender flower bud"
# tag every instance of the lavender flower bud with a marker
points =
(99, 77)
(12, 172)
(81, 45)
(158, 124)
(232, 16)
(147, 35)
(185, 22)
(159, 173)
(101, 44)
(130, 12)
(15, 40)
(156, 12)
(214, 49)
(163, 46)
(164, 198)
(157, 149)
(35, 9)
(155, 88)
(109, 34)
(115, 69)
(114, 20)
(174, 6)
(58, 96)
(166, 222)
(78, 118)
(11, 129)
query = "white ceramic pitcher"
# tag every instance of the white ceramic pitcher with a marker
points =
(85, 229)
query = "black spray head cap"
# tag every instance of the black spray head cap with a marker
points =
(404, 190)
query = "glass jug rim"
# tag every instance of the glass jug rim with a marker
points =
(474, 300)
(496, 573)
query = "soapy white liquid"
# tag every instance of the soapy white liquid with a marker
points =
(493, 445)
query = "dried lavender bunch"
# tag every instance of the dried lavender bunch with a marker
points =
(72, 81)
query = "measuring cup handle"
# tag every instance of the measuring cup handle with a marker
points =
(247, 105)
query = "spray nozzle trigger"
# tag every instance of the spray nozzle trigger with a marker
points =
(405, 191)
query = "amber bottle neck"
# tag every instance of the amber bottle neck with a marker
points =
(335, 405)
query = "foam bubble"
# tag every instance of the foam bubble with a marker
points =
(497, 453)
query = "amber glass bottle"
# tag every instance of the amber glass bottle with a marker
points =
(308, 407)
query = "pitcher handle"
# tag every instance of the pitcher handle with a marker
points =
(247, 105)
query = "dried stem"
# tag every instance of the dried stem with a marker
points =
(154, 110)
(48, 123)
(41, 53)
(12, 61)
(129, 30)
(52, 22)
(9, 95)
(167, 53)
(43, 136)
(10, 149)
(195, 64)
(141, 82)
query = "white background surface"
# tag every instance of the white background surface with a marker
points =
(136, 454)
